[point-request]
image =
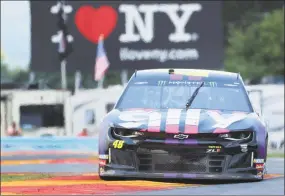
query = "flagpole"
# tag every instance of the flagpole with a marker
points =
(101, 82)
(62, 43)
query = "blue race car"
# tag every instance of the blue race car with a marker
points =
(183, 123)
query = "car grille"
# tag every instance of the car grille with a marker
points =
(178, 159)
(121, 157)
(242, 160)
(165, 159)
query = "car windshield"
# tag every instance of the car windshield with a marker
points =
(175, 94)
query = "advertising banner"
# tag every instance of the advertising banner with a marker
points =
(138, 34)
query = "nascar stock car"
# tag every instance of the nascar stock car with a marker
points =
(183, 123)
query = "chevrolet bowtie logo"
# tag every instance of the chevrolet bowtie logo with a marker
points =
(180, 136)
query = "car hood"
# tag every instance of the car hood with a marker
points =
(182, 121)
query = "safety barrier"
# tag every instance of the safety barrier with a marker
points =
(41, 144)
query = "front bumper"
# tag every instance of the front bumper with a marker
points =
(109, 172)
(232, 161)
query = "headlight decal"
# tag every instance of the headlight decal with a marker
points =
(236, 136)
(126, 133)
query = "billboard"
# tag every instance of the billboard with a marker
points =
(138, 34)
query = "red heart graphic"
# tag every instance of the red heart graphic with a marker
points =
(92, 22)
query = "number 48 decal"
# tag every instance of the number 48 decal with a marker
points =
(118, 144)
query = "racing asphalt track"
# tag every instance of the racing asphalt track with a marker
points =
(273, 186)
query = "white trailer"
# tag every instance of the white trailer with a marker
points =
(88, 107)
(272, 105)
(36, 112)
(269, 98)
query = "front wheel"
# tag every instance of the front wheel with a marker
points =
(109, 178)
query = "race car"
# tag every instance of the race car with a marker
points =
(184, 124)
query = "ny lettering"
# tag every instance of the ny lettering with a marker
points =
(146, 26)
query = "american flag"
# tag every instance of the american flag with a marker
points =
(102, 63)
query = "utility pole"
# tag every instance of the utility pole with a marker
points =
(62, 38)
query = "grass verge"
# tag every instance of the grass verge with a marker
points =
(18, 177)
(276, 155)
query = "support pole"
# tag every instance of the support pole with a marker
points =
(77, 81)
(124, 77)
(63, 74)
(31, 77)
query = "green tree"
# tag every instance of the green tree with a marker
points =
(244, 13)
(258, 49)
(5, 74)
(17, 75)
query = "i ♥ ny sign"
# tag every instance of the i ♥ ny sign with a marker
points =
(92, 22)
(153, 34)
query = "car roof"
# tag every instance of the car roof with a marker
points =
(206, 74)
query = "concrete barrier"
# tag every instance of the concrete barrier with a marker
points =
(44, 144)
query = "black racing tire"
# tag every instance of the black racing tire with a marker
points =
(110, 178)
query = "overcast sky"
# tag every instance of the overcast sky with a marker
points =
(15, 32)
